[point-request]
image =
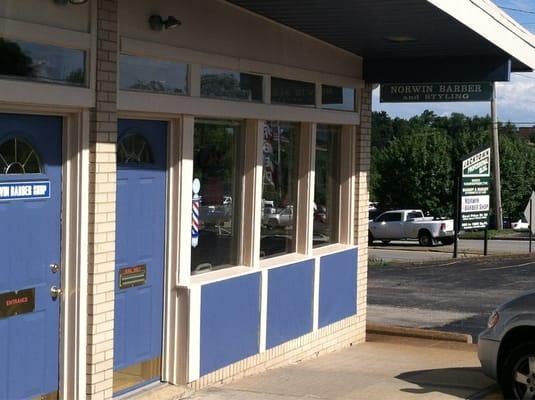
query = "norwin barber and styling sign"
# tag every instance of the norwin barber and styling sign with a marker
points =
(475, 196)
(34, 190)
(435, 92)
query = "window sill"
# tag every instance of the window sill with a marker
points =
(331, 248)
(283, 260)
(219, 275)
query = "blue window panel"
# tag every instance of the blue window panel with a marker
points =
(230, 321)
(290, 302)
(338, 287)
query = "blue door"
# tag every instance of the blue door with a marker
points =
(140, 247)
(30, 241)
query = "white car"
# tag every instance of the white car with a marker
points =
(282, 218)
(410, 224)
(520, 226)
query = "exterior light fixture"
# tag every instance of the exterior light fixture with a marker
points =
(65, 2)
(157, 23)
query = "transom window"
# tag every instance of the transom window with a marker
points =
(134, 149)
(18, 157)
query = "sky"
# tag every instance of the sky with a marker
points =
(515, 99)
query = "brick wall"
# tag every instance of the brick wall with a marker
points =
(102, 189)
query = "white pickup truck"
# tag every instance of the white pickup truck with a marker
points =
(410, 224)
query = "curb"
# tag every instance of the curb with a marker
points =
(419, 333)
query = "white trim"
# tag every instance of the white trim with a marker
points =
(18, 91)
(494, 25)
(346, 203)
(45, 34)
(316, 294)
(226, 109)
(263, 309)
(186, 176)
(194, 348)
(183, 55)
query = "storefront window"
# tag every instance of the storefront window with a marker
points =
(327, 185)
(151, 75)
(279, 191)
(41, 62)
(285, 91)
(217, 164)
(338, 98)
(226, 84)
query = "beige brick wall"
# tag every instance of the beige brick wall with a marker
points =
(102, 189)
(362, 198)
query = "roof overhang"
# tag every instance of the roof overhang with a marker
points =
(413, 40)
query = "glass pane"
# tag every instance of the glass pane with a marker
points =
(151, 75)
(217, 166)
(42, 62)
(230, 85)
(327, 185)
(18, 157)
(338, 98)
(134, 149)
(285, 91)
(279, 190)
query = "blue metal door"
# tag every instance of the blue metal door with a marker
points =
(30, 241)
(140, 236)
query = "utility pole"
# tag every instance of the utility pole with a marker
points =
(496, 161)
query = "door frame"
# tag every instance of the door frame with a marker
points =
(74, 230)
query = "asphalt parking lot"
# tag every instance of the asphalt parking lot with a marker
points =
(452, 295)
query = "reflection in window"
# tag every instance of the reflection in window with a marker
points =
(327, 185)
(338, 98)
(285, 91)
(134, 149)
(151, 75)
(18, 157)
(279, 189)
(217, 164)
(41, 62)
(230, 85)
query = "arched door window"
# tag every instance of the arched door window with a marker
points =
(134, 149)
(18, 157)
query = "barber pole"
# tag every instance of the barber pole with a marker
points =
(196, 201)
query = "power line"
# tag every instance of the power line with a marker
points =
(517, 10)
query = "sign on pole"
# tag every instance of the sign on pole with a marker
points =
(435, 92)
(475, 195)
(530, 211)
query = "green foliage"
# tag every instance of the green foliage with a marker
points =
(414, 161)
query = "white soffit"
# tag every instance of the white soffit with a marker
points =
(489, 21)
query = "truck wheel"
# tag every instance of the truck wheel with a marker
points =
(272, 223)
(447, 241)
(370, 239)
(425, 239)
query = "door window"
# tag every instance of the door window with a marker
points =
(18, 157)
(134, 149)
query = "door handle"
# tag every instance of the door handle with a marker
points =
(55, 292)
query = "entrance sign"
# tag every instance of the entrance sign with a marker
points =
(18, 302)
(475, 196)
(435, 92)
(24, 190)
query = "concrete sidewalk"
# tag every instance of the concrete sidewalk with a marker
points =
(385, 367)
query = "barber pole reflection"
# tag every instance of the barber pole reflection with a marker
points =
(196, 201)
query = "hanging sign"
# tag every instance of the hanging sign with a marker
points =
(24, 190)
(435, 92)
(17, 302)
(195, 215)
(475, 190)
